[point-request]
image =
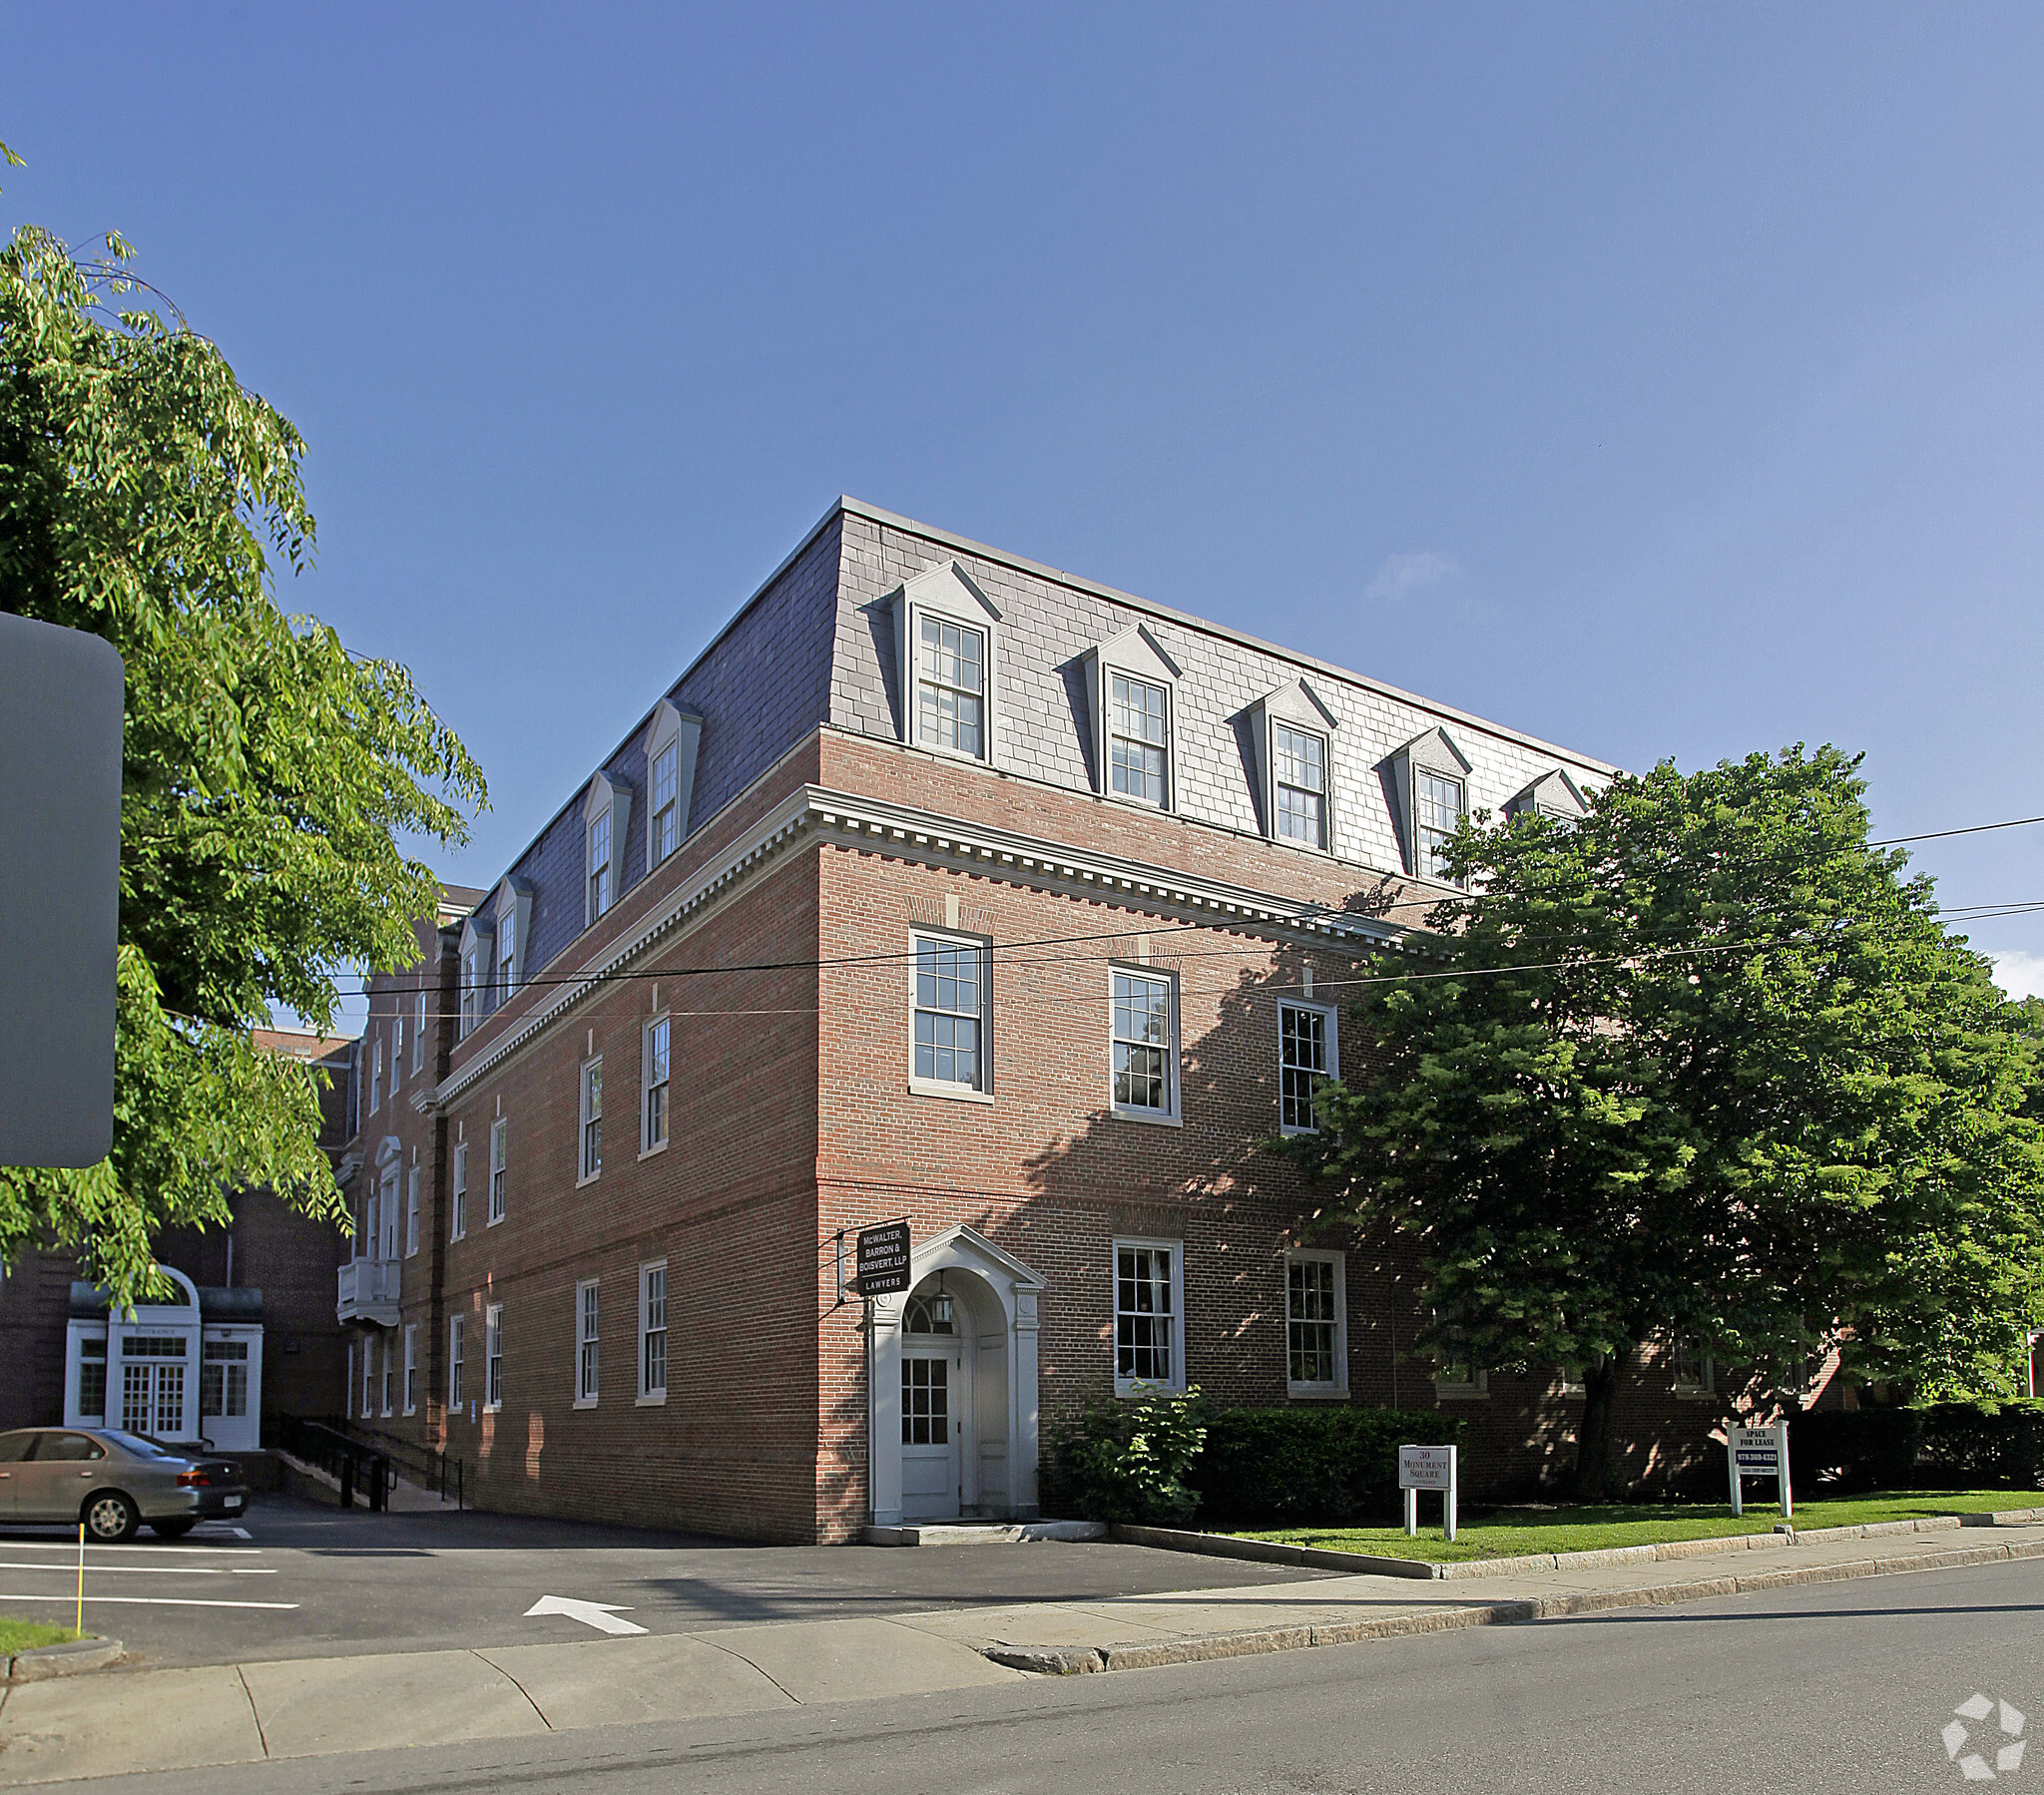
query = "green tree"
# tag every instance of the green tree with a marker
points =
(267, 775)
(1703, 1066)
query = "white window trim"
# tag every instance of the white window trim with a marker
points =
(648, 1147)
(1139, 1386)
(1479, 1385)
(493, 1335)
(418, 1032)
(457, 1220)
(410, 1387)
(411, 1213)
(1321, 1256)
(493, 1211)
(1293, 706)
(1683, 1388)
(1332, 1018)
(512, 903)
(1435, 751)
(376, 1075)
(982, 1092)
(614, 796)
(649, 1398)
(951, 594)
(457, 1363)
(685, 729)
(386, 1214)
(387, 1405)
(1136, 655)
(584, 1174)
(587, 1400)
(477, 967)
(396, 1050)
(1171, 1117)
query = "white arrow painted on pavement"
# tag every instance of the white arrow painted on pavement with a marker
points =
(602, 1616)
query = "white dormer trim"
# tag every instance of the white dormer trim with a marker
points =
(1297, 706)
(1553, 794)
(475, 969)
(1135, 654)
(685, 729)
(387, 1149)
(1433, 750)
(614, 796)
(949, 593)
(512, 902)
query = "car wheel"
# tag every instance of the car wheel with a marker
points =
(110, 1517)
(171, 1530)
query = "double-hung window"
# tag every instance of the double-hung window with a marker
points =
(390, 1373)
(590, 1161)
(1139, 739)
(652, 1123)
(471, 990)
(411, 1368)
(376, 1077)
(500, 1146)
(1149, 1320)
(457, 1330)
(493, 1356)
(950, 687)
(1306, 1062)
(368, 1379)
(599, 864)
(1315, 1324)
(459, 1206)
(389, 1212)
(396, 1052)
(1441, 802)
(418, 1032)
(666, 808)
(507, 955)
(1690, 1369)
(1145, 1044)
(653, 1332)
(1456, 1372)
(585, 1344)
(950, 1014)
(411, 1213)
(1299, 766)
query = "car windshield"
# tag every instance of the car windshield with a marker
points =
(143, 1446)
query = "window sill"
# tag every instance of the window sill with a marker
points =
(1291, 1132)
(493, 1222)
(493, 1408)
(1317, 1391)
(945, 754)
(585, 1402)
(1154, 1118)
(1127, 1388)
(589, 1179)
(1694, 1395)
(652, 1152)
(409, 1413)
(1461, 1393)
(958, 1093)
(656, 1400)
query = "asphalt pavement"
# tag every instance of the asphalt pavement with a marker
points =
(296, 1579)
(1841, 1688)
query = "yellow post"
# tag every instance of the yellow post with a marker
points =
(79, 1630)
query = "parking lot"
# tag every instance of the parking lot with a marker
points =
(299, 1579)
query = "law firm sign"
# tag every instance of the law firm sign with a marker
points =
(882, 1259)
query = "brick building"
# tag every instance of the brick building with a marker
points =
(251, 1319)
(941, 885)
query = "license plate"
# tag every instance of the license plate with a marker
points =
(233, 1501)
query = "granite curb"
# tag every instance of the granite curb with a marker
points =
(71, 1659)
(1273, 1552)
(1196, 1649)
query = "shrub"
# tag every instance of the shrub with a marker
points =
(1127, 1460)
(1310, 1466)
(1844, 1451)
(1982, 1445)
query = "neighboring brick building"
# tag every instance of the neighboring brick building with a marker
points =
(254, 1309)
(941, 885)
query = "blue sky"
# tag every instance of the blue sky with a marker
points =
(1664, 381)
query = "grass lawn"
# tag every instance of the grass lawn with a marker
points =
(1507, 1533)
(25, 1636)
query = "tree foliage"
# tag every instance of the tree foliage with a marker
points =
(1703, 1066)
(267, 775)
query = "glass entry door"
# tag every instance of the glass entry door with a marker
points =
(930, 1431)
(153, 1385)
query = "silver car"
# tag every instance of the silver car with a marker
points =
(114, 1482)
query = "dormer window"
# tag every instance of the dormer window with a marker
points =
(1554, 795)
(950, 687)
(512, 908)
(1441, 803)
(508, 954)
(1300, 773)
(1132, 686)
(476, 962)
(946, 631)
(604, 815)
(671, 744)
(1140, 739)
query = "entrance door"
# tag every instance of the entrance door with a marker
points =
(932, 1431)
(153, 1386)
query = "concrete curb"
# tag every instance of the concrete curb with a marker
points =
(1018, 1533)
(71, 1659)
(1271, 1551)
(1197, 1649)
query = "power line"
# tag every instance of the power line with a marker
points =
(2014, 822)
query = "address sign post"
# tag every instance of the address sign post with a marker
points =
(1427, 1468)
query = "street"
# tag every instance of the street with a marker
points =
(1841, 1688)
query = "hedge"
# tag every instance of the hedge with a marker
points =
(1981, 1445)
(1850, 1450)
(1329, 1467)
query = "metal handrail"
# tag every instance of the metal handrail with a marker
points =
(431, 1470)
(353, 1455)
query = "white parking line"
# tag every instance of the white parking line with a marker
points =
(71, 1545)
(97, 1570)
(154, 1601)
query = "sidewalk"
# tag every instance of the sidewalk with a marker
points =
(153, 1721)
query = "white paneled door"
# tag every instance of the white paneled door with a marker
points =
(931, 1432)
